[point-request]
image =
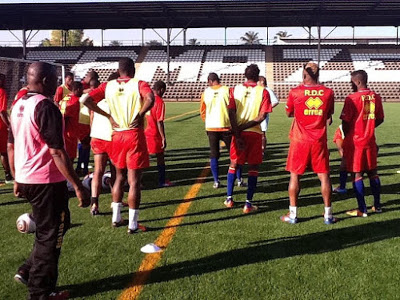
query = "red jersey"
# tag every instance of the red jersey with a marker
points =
(311, 107)
(99, 93)
(156, 114)
(61, 92)
(21, 93)
(3, 106)
(361, 110)
(70, 107)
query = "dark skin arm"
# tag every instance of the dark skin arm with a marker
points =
(148, 103)
(235, 128)
(4, 117)
(89, 103)
(161, 130)
(290, 114)
(261, 117)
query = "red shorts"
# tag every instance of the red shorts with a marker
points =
(83, 131)
(252, 152)
(359, 159)
(71, 145)
(154, 144)
(129, 149)
(304, 154)
(100, 146)
(3, 139)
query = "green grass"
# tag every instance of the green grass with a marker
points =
(222, 254)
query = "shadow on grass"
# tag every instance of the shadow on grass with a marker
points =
(256, 252)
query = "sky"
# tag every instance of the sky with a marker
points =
(208, 35)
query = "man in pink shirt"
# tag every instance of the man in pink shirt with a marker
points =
(41, 165)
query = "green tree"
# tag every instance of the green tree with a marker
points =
(115, 43)
(281, 34)
(73, 38)
(153, 43)
(251, 38)
(193, 42)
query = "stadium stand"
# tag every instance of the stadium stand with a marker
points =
(190, 65)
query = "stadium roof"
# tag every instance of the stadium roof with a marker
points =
(183, 14)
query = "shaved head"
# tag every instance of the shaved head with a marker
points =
(42, 78)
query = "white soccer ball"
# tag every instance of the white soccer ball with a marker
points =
(25, 224)
(105, 182)
(87, 181)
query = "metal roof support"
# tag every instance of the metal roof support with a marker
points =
(24, 43)
(267, 35)
(309, 35)
(353, 35)
(102, 37)
(184, 37)
(397, 36)
(225, 43)
(168, 55)
(319, 44)
(143, 36)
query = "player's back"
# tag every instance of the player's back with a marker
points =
(361, 110)
(216, 100)
(248, 99)
(311, 107)
(124, 100)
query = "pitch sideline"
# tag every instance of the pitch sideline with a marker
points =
(150, 261)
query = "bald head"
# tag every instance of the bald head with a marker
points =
(42, 78)
(126, 67)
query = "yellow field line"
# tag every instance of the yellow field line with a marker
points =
(150, 261)
(181, 115)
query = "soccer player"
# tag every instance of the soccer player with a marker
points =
(248, 106)
(129, 100)
(101, 136)
(64, 89)
(338, 140)
(311, 104)
(69, 107)
(362, 113)
(155, 133)
(4, 125)
(214, 111)
(84, 132)
(91, 75)
(40, 165)
(274, 101)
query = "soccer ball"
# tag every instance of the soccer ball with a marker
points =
(105, 182)
(87, 181)
(25, 224)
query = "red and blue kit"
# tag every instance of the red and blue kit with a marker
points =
(311, 106)
(361, 110)
(153, 136)
(249, 100)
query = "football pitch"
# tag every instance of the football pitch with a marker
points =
(217, 253)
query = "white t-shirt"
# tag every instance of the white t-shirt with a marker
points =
(274, 101)
(101, 126)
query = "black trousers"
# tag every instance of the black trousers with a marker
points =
(214, 137)
(52, 217)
